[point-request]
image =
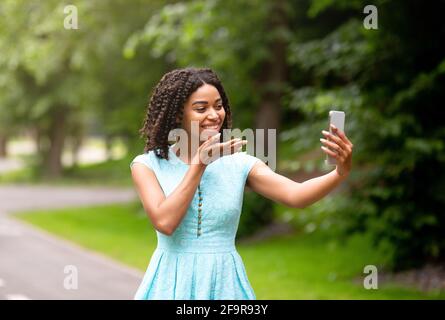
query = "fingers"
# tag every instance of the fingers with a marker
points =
(337, 144)
(335, 139)
(329, 152)
(233, 146)
(231, 142)
(342, 135)
(212, 140)
(212, 149)
(225, 148)
(334, 146)
(237, 146)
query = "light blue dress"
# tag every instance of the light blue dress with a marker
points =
(188, 266)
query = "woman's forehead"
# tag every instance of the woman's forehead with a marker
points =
(205, 92)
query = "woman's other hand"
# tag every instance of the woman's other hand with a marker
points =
(340, 148)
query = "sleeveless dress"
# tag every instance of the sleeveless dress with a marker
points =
(199, 261)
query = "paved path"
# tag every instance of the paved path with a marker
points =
(25, 197)
(37, 265)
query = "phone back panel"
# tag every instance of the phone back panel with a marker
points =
(337, 118)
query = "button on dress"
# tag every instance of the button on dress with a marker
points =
(199, 261)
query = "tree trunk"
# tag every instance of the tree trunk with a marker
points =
(3, 146)
(53, 160)
(36, 134)
(272, 78)
(109, 147)
(76, 145)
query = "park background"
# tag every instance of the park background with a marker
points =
(73, 100)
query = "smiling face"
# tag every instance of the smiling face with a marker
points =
(206, 108)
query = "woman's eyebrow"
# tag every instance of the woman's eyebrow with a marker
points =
(205, 102)
(198, 102)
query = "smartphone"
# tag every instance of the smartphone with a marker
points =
(337, 118)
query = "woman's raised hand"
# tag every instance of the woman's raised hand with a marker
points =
(212, 149)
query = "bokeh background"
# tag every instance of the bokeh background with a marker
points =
(72, 103)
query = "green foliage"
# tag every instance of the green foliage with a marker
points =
(388, 81)
(257, 212)
(45, 68)
(209, 34)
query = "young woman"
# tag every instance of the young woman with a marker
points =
(194, 198)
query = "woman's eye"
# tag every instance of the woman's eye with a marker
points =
(218, 107)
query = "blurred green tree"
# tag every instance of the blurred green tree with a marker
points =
(389, 81)
(57, 82)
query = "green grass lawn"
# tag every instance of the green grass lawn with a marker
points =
(308, 266)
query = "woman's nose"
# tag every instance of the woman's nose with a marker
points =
(213, 114)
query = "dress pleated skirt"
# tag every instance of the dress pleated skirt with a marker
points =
(173, 275)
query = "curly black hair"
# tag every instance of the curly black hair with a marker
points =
(167, 105)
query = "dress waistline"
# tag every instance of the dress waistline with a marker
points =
(199, 245)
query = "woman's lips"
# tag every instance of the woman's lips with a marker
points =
(211, 127)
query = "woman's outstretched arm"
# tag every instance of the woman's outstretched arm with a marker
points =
(293, 194)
